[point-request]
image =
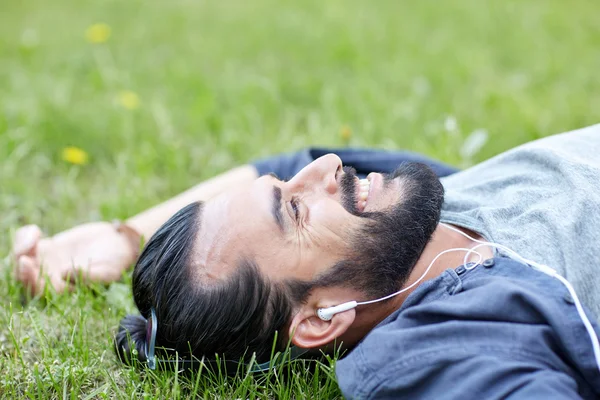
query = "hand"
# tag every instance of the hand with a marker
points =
(95, 251)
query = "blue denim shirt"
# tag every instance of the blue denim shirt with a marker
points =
(502, 330)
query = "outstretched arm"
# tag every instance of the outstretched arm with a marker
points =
(102, 251)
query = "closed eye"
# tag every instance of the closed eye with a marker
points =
(295, 207)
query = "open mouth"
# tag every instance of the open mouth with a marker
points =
(362, 194)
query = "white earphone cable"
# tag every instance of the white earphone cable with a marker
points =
(389, 296)
(327, 313)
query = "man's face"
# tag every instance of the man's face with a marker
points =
(324, 218)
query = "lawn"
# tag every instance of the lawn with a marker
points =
(162, 94)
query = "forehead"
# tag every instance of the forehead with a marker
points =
(236, 224)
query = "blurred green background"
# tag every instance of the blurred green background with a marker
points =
(157, 95)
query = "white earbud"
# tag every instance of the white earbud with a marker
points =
(327, 313)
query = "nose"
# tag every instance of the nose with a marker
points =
(318, 175)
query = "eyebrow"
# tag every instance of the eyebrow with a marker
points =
(276, 207)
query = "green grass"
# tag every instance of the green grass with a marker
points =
(224, 82)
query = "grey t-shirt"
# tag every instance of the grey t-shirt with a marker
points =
(542, 200)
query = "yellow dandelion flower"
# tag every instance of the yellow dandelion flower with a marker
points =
(97, 33)
(75, 155)
(346, 133)
(129, 100)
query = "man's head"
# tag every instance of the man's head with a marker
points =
(225, 275)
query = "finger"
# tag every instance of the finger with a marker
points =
(34, 279)
(58, 283)
(29, 274)
(95, 272)
(26, 239)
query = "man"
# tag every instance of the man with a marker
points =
(225, 275)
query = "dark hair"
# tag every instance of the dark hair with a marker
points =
(225, 318)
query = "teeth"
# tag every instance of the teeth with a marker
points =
(363, 193)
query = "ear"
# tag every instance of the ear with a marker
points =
(309, 331)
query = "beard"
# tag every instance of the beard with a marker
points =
(384, 252)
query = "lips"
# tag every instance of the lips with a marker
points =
(354, 192)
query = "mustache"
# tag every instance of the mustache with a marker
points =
(410, 172)
(348, 190)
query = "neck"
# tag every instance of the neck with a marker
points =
(441, 240)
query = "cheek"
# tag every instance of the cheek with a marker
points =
(330, 226)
